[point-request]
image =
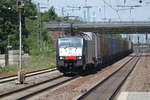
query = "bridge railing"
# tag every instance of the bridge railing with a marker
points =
(98, 24)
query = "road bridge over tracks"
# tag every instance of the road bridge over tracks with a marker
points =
(121, 27)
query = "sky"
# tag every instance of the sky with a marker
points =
(101, 10)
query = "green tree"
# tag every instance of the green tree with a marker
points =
(9, 27)
(51, 15)
(9, 24)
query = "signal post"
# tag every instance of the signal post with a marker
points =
(21, 74)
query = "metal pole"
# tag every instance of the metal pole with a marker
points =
(138, 44)
(88, 14)
(39, 26)
(84, 12)
(62, 11)
(71, 29)
(21, 74)
(20, 40)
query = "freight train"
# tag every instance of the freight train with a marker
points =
(74, 53)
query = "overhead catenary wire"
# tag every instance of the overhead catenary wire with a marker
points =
(113, 9)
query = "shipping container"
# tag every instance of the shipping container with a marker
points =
(110, 46)
(104, 48)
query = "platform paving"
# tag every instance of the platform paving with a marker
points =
(134, 96)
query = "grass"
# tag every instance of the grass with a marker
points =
(43, 60)
(36, 63)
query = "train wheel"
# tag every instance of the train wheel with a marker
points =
(65, 74)
(84, 67)
(95, 65)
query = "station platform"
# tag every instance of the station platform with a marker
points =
(134, 96)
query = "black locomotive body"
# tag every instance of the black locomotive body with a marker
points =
(75, 53)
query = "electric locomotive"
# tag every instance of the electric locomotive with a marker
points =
(69, 53)
(78, 52)
(73, 54)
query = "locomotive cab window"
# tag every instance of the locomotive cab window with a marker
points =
(70, 46)
(70, 42)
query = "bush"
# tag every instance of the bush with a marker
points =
(9, 68)
(46, 49)
(1, 70)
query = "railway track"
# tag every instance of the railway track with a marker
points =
(26, 92)
(29, 74)
(109, 87)
(34, 89)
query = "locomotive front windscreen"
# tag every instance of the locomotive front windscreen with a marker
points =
(70, 42)
(70, 46)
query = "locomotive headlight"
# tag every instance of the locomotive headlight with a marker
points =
(79, 57)
(61, 58)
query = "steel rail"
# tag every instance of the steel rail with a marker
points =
(27, 87)
(29, 74)
(103, 81)
(122, 83)
(36, 87)
(46, 88)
